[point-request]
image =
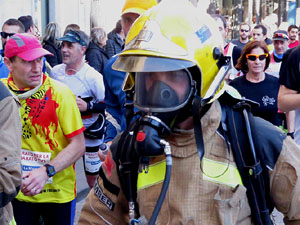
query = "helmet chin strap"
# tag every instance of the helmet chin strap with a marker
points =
(201, 105)
(198, 110)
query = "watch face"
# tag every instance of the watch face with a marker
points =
(50, 170)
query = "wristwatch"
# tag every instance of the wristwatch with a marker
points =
(50, 170)
(89, 106)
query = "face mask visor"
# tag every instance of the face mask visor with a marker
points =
(162, 91)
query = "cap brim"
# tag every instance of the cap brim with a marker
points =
(134, 10)
(279, 39)
(66, 39)
(33, 54)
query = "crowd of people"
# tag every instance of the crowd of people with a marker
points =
(171, 98)
(256, 76)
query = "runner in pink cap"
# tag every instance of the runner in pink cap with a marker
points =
(25, 46)
(52, 136)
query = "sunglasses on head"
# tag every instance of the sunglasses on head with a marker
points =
(5, 35)
(253, 57)
(242, 30)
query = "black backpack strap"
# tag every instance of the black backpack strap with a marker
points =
(248, 164)
(127, 163)
(129, 107)
(267, 142)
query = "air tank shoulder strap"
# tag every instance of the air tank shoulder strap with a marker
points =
(250, 157)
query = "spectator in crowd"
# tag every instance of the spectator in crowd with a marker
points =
(115, 42)
(9, 28)
(32, 29)
(293, 36)
(229, 48)
(257, 85)
(87, 85)
(10, 150)
(71, 26)
(29, 25)
(259, 33)
(244, 33)
(50, 43)
(95, 54)
(280, 42)
(52, 139)
(113, 80)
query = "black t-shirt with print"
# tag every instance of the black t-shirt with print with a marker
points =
(289, 74)
(264, 92)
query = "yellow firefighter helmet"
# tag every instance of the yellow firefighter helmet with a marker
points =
(174, 35)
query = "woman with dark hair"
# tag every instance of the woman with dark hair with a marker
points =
(115, 42)
(50, 43)
(257, 85)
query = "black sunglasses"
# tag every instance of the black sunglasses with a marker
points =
(253, 57)
(242, 30)
(5, 35)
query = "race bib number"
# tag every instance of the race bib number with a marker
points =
(33, 160)
(92, 162)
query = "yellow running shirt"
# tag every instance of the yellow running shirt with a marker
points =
(49, 117)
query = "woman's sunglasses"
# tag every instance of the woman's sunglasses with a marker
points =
(253, 57)
(5, 35)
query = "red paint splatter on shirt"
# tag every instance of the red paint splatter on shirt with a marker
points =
(43, 114)
(108, 163)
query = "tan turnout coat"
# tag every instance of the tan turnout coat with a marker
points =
(190, 198)
(10, 156)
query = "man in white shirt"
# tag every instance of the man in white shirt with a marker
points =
(87, 85)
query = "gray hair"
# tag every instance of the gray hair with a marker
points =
(97, 34)
(51, 33)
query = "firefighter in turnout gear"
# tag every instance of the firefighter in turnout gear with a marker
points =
(194, 154)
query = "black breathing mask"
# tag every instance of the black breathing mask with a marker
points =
(162, 95)
(153, 127)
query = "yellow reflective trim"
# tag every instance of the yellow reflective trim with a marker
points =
(155, 175)
(13, 222)
(212, 169)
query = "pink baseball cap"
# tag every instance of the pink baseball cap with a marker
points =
(25, 46)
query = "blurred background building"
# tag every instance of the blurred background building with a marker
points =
(85, 13)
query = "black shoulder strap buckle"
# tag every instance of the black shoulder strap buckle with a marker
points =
(242, 105)
(253, 171)
(237, 103)
(129, 106)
